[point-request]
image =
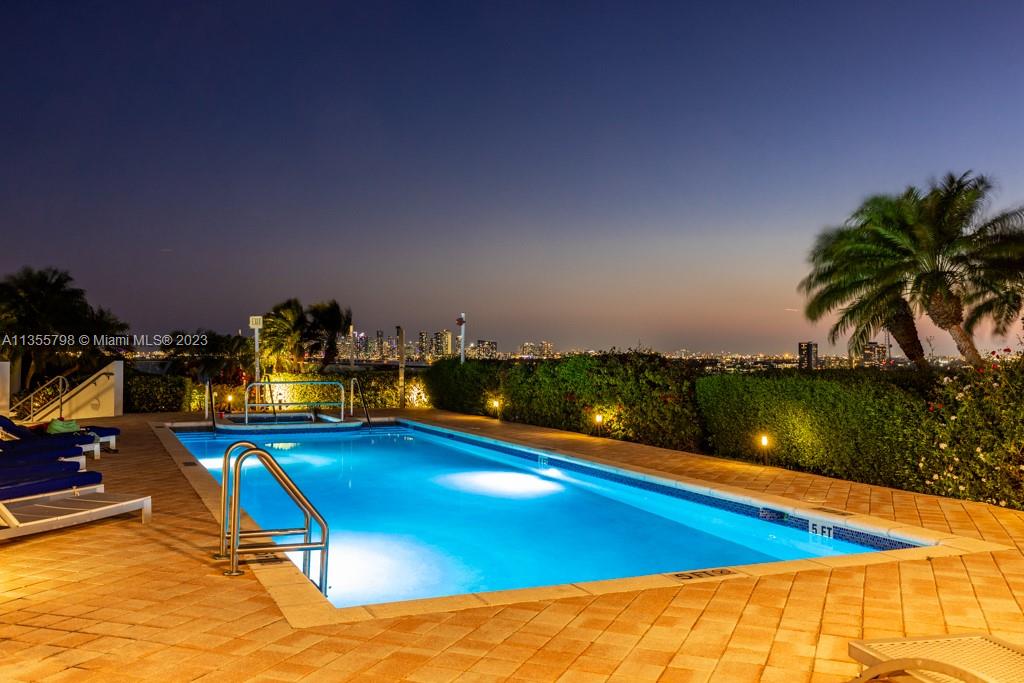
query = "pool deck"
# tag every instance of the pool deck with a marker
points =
(118, 601)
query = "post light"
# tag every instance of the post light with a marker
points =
(764, 448)
(599, 419)
(764, 441)
(495, 403)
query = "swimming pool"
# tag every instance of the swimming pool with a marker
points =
(419, 512)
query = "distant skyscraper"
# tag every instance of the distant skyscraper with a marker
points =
(380, 345)
(486, 348)
(547, 349)
(423, 346)
(874, 355)
(442, 344)
(807, 352)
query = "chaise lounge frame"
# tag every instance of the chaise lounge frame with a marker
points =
(60, 509)
(968, 657)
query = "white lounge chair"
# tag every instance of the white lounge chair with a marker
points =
(970, 657)
(48, 511)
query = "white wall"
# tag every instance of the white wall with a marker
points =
(102, 395)
(5, 388)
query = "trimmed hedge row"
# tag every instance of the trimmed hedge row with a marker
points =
(144, 393)
(168, 393)
(868, 431)
(960, 435)
(640, 397)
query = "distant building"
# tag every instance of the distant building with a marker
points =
(807, 353)
(486, 348)
(874, 355)
(379, 348)
(442, 344)
(422, 346)
(529, 350)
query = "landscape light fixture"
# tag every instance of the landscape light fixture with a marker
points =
(599, 418)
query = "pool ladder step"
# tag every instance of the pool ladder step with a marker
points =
(231, 532)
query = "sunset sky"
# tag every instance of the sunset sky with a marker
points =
(597, 174)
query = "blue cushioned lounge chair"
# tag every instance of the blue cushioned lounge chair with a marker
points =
(27, 456)
(89, 438)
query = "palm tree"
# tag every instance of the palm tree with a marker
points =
(42, 302)
(964, 257)
(222, 360)
(939, 251)
(840, 280)
(326, 321)
(285, 332)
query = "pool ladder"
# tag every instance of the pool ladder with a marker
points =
(231, 532)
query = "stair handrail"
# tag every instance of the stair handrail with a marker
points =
(225, 480)
(356, 384)
(63, 385)
(310, 514)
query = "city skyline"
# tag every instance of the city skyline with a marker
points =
(626, 176)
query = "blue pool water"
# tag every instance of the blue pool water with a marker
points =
(414, 515)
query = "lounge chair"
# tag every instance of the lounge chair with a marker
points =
(89, 438)
(970, 657)
(33, 481)
(27, 456)
(53, 507)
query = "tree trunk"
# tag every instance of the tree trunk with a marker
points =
(904, 331)
(965, 345)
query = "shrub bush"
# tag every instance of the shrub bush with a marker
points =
(862, 430)
(380, 389)
(642, 397)
(156, 393)
(976, 449)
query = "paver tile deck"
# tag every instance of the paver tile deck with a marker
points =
(118, 601)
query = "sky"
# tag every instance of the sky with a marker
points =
(597, 174)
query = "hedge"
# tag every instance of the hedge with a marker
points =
(976, 449)
(642, 397)
(861, 429)
(146, 393)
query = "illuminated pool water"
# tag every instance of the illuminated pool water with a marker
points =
(416, 513)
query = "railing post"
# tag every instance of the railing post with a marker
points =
(225, 477)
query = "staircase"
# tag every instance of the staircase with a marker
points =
(101, 395)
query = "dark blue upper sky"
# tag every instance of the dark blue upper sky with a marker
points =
(591, 173)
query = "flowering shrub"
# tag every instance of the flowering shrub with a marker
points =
(977, 423)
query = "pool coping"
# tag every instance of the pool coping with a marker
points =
(303, 605)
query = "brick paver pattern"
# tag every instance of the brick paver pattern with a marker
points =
(118, 601)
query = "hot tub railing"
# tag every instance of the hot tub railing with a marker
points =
(340, 403)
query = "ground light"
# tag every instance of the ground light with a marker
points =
(763, 440)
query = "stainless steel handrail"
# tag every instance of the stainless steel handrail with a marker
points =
(356, 384)
(310, 514)
(311, 404)
(225, 515)
(63, 386)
